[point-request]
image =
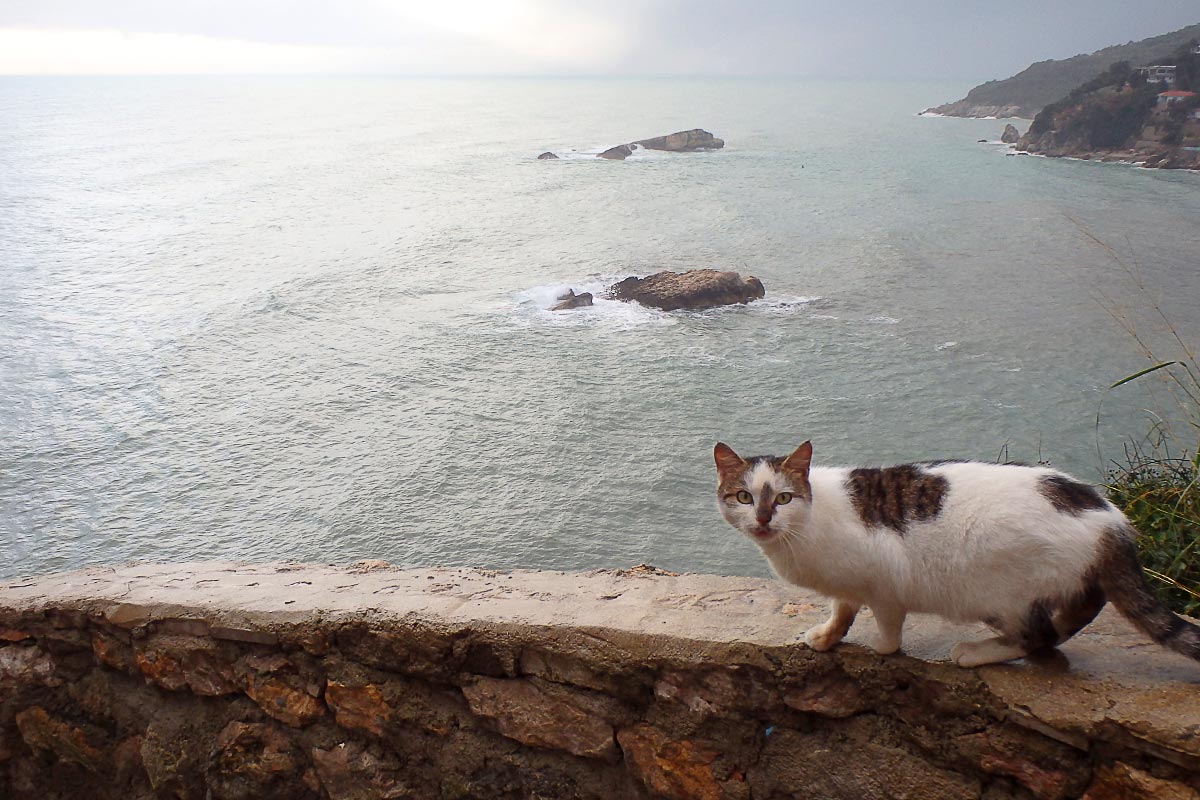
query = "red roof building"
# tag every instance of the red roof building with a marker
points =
(1172, 97)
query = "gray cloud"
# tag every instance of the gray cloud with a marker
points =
(869, 38)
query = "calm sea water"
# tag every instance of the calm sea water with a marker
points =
(305, 318)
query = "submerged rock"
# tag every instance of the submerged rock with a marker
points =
(618, 153)
(546, 156)
(683, 141)
(694, 289)
(1011, 135)
(571, 300)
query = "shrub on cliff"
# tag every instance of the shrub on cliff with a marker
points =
(1161, 497)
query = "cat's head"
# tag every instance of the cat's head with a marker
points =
(764, 496)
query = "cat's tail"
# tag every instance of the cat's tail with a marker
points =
(1124, 583)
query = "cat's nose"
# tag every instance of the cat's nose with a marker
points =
(763, 521)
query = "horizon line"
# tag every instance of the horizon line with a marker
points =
(490, 76)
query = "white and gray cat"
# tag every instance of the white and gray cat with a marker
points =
(1029, 551)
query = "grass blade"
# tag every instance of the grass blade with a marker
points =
(1140, 373)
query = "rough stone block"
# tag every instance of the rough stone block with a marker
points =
(187, 663)
(24, 666)
(129, 615)
(113, 652)
(680, 770)
(249, 635)
(255, 761)
(832, 694)
(523, 711)
(822, 764)
(184, 627)
(351, 771)
(1120, 781)
(284, 702)
(358, 707)
(43, 732)
(717, 692)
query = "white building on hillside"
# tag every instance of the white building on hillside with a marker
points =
(1160, 73)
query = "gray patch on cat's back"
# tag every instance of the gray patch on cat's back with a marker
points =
(892, 497)
(1070, 496)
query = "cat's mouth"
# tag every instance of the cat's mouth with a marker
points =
(762, 532)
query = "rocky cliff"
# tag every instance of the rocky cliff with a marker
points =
(229, 681)
(1121, 117)
(1040, 84)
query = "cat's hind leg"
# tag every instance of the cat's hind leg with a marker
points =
(1072, 615)
(1033, 632)
(890, 621)
(828, 633)
(988, 651)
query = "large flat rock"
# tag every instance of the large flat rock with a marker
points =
(694, 289)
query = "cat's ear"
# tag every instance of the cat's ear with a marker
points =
(800, 459)
(727, 460)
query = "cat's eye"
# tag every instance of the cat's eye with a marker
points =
(744, 497)
(783, 498)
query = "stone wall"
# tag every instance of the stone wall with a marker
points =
(219, 680)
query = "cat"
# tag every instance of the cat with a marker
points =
(1029, 551)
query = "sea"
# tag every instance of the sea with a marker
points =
(303, 318)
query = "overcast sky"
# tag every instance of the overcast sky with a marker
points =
(961, 39)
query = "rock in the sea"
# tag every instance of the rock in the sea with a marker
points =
(1011, 135)
(680, 142)
(546, 156)
(571, 300)
(684, 141)
(618, 153)
(962, 108)
(694, 289)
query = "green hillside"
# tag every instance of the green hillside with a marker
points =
(1047, 81)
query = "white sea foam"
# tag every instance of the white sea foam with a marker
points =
(533, 306)
(778, 304)
(592, 153)
(881, 319)
(946, 345)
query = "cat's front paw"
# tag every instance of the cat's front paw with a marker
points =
(821, 637)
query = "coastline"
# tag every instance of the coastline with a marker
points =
(1132, 158)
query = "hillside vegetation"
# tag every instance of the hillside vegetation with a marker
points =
(1116, 115)
(1040, 84)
